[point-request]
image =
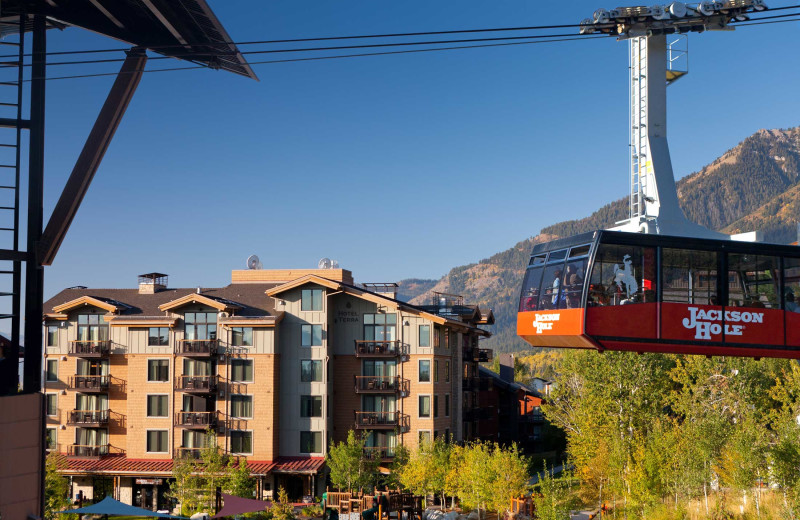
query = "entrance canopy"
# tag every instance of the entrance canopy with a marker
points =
(110, 507)
(233, 505)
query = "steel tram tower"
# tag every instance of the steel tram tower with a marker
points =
(657, 37)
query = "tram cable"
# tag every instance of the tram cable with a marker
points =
(538, 39)
(364, 36)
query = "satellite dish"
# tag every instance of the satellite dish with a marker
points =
(334, 264)
(324, 263)
(253, 262)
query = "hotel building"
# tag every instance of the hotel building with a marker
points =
(278, 364)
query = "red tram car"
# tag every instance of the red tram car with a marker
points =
(610, 290)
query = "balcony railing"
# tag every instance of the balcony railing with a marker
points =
(379, 452)
(381, 421)
(201, 420)
(189, 453)
(89, 384)
(197, 347)
(381, 384)
(88, 451)
(196, 384)
(477, 414)
(90, 349)
(385, 349)
(88, 417)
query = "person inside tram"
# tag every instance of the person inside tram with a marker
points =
(791, 304)
(531, 299)
(597, 295)
(554, 289)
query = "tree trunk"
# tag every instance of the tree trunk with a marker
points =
(705, 493)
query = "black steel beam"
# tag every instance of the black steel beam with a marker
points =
(92, 154)
(34, 273)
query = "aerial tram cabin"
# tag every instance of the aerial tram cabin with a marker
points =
(610, 290)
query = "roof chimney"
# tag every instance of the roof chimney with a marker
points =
(151, 283)
(507, 367)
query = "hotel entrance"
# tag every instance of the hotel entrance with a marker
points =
(150, 493)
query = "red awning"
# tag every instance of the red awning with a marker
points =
(233, 505)
(299, 465)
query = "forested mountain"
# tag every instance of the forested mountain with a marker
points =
(753, 186)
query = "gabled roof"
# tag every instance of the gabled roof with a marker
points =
(86, 300)
(358, 292)
(217, 303)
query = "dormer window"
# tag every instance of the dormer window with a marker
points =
(91, 327)
(200, 325)
(311, 300)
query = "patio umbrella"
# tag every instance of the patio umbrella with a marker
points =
(234, 505)
(110, 507)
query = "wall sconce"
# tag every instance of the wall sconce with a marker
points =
(406, 322)
(63, 427)
(63, 358)
(63, 392)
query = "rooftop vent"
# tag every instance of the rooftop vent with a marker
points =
(151, 283)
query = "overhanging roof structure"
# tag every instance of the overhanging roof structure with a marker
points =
(183, 29)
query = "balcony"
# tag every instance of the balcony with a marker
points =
(89, 384)
(381, 421)
(382, 453)
(196, 384)
(90, 349)
(197, 347)
(381, 385)
(197, 420)
(80, 451)
(88, 418)
(378, 349)
(189, 453)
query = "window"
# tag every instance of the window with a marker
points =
(424, 335)
(158, 370)
(157, 406)
(436, 371)
(51, 404)
(447, 434)
(791, 279)
(447, 371)
(157, 441)
(622, 275)
(436, 406)
(242, 406)
(158, 336)
(311, 335)
(424, 371)
(757, 281)
(50, 439)
(200, 325)
(424, 406)
(242, 336)
(437, 337)
(91, 327)
(51, 375)
(242, 370)
(310, 371)
(424, 437)
(52, 335)
(310, 406)
(380, 327)
(310, 442)
(87, 367)
(311, 300)
(446, 338)
(241, 441)
(689, 276)
(447, 405)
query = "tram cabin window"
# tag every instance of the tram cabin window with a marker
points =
(754, 281)
(689, 276)
(622, 275)
(574, 274)
(552, 276)
(791, 280)
(533, 277)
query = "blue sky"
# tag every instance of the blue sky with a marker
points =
(396, 166)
